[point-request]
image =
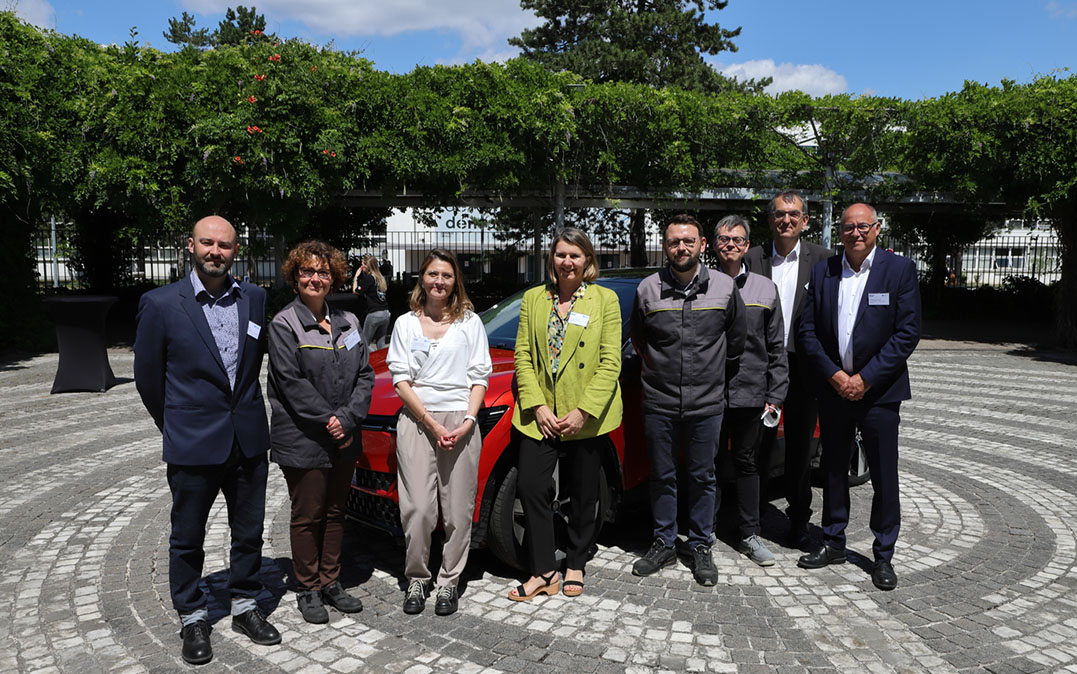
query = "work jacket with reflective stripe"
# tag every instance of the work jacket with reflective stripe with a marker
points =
(686, 339)
(763, 375)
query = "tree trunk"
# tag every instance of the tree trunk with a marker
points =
(637, 238)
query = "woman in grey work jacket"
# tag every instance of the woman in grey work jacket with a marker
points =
(319, 389)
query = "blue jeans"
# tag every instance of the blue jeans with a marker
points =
(699, 438)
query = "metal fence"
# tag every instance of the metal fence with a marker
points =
(487, 255)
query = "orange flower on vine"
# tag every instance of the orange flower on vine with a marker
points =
(275, 58)
(237, 159)
(252, 99)
(259, 78)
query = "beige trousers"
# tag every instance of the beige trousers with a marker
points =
(426, 477)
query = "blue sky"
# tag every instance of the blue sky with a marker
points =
(911, 48)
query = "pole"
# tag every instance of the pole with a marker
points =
(828, 206)
(55, 254)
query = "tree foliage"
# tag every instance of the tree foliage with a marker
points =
(239, 26)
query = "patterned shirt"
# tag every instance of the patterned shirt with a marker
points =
(222, 314)
(555, 328)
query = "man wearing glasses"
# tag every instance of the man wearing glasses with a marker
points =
(787, 262)
(861, 323)
(757, 390)
(688, 328)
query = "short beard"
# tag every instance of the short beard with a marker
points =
(684, 266)
(212, 272)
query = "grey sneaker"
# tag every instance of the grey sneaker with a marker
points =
(757, 551)
(311, 607)
(657, 557)
(703, 566)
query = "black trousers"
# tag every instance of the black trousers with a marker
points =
(799, 414)
(741, 433)
(194, 488)
(535, 489)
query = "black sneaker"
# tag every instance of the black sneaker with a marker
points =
(415, 599)
(335, 596)
(703, 566)
(657, 557)
(447, 602)
(311, 607)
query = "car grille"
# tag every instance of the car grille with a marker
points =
(378, 511)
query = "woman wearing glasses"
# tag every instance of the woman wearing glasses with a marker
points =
(440, 361)
(319, 389)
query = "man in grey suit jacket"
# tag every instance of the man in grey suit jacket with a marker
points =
(788, 262)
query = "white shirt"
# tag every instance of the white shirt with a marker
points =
(850, 290)
(441, 371)
(784, 272)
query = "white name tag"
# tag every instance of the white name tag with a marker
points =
(352, 340)
(253, 329)
(878, 299)
(420, 344)
(578, 319)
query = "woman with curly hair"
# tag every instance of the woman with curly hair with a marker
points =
(440, 361)
(319, 390)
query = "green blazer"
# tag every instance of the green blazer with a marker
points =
(589, 369)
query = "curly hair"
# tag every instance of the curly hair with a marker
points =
(458, 304)
(316, 251)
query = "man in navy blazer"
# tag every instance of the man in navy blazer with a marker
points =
(198, 355)
(861, 323)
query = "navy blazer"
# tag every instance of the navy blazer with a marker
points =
(759, 259)
(884, 335)
(181, 377)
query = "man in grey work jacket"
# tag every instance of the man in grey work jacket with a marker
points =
(688, 327)
(760, 384)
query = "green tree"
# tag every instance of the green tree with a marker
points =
(239, 26)
(182, 32)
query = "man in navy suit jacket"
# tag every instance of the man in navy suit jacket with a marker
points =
(861, 323)
(198, 355)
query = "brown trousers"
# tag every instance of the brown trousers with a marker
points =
(319, 497)
(426, 477)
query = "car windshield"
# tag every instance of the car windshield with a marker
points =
(503, 319)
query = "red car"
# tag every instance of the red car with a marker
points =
(498, 521)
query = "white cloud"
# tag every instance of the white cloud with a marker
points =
(1062, 10)
(815, 80)
(38, 12)
(483, 25)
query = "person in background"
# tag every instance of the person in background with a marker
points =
(759, 385)
(568, 361)
(370, 285)
(320, 381)
(440, 361)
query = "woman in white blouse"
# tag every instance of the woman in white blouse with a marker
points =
(440, 360)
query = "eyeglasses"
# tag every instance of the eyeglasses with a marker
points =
(780, 215)
(323, 274)
(737, 240)
(676, 243)
(860, 227)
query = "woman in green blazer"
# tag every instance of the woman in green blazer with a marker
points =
(568, 360)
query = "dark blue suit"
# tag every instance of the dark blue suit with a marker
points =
(885, 333)
(214, 436)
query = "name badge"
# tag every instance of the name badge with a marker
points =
(351, 340)
(578, 319)
(420, 344)
(253, 329)
(878, 299)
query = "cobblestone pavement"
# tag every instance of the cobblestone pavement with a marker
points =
(987, 558)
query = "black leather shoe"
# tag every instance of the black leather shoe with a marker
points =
(196, 647)
(415, 599)
(447, 602)
(254, 625)
(883, 576)
(310, 605)
(657, 557)
(824, 556)
(335, 596)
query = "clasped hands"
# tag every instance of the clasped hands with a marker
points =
(554, 427)
(850, 387)
(336, 431)
(447, 439)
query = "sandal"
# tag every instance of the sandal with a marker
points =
(573, 588)
(549, 589)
